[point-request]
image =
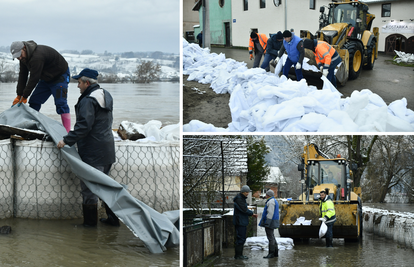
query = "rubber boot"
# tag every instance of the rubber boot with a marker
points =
(329, 242)
(66, 121)
(112, 219)
(271, 252)
(241, 253)
(90, 215)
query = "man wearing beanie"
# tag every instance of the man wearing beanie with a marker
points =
(241, 220)
(326, 57)
(257, 44)
(45, 71)
(93, 135)
(274, 43)
(270, 221)
(293, 45)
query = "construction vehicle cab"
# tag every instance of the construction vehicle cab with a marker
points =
(318, 173)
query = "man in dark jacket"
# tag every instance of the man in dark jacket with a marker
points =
(274, 43)
(93, 134)
(49, 73)
(241, 220)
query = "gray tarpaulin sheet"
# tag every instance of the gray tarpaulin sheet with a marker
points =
(156, 230)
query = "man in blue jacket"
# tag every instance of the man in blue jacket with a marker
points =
(270, 220)
(241, 220)
(293, 45)
(274, 43)
(93, 134)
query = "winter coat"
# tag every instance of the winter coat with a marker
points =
(43, 63)
(327, 210)
(325, 54)
(262, 40)
(270, 216)
(93, 128)
(241, 212)
(273, 45)
(294, 49)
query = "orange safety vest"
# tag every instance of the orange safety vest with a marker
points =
(262, 40)
(324, 53)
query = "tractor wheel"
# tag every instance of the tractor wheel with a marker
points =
(355, 59)
(371, 55)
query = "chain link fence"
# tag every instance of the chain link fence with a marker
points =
(37, 183)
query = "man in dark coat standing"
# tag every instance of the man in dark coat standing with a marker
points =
(93, 134)
(241, 220)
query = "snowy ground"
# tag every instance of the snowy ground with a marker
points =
(265, 102)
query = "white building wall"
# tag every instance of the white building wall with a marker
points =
(272, 19)
(400, 10)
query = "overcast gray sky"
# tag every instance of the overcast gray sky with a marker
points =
(98, 25)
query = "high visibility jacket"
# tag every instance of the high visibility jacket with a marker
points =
(327, 210)
(325, 54)
(262, 40)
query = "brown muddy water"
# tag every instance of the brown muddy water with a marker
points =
(66, 243)
(371, 251)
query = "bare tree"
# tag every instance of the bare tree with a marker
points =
(147, 71)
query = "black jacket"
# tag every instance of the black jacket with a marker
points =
(93, 128)
(241, 212)
(273, 45)
(43, 63)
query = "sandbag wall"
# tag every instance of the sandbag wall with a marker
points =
(394, 226)
(37, 183)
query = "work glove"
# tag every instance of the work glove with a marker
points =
(19, 100)
(322, 219)
(325, 72)
(272, 63)
(298, 66)
(251, 56)
(277, 60)
(321, 68)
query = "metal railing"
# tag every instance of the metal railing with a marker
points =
(36, 182)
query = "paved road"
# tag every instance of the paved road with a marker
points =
(389, 81)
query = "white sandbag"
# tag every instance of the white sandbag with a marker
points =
(322, 230)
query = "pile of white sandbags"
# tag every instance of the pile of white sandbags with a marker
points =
(264, 102)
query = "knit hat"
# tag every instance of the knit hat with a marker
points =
(279, 35)
(287, 34)
(309, 44)
(270, 193)
(245, 188)
(253, 35)
(93, 74)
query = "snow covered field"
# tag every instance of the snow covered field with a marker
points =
(105, 65)
(265, 102)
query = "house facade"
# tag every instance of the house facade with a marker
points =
(394, 18)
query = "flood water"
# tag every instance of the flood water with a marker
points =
(65, 243)
(62, 242)
(137, 103)
(372, 251)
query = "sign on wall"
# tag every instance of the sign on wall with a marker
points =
(398, 27)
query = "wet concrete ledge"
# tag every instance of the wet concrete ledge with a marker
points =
(397, 226)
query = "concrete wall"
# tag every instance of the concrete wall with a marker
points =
(394, 226)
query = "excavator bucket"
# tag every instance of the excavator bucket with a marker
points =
(342, 71)
(346, 226)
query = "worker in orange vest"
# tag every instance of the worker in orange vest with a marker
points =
(258, 45)
(326, 57)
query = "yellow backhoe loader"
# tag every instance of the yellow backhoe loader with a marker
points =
(318, 172)
(347, 27)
